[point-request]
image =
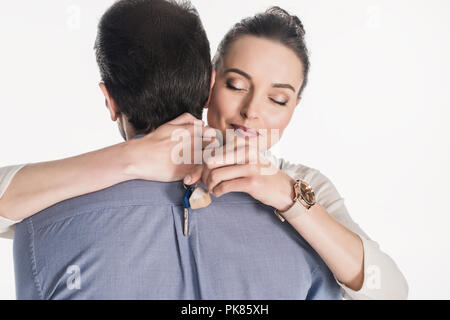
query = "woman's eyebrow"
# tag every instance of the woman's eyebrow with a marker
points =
(238, 71)
(283, 85)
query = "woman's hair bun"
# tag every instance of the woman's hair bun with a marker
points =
(275, 10)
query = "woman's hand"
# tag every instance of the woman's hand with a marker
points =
(153, 156)
(245, 171)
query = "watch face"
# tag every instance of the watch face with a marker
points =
(307, 193)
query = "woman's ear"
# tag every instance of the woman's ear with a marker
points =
(211, 86)
(298, 101)
(109, 102)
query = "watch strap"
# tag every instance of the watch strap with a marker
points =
(296, 210)
(299, 206)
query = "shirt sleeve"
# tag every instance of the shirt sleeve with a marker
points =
(6, 175)
(382, 277)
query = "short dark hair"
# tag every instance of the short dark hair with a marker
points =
(154, 59)
(275, 24)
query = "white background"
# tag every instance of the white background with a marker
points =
(374, 118)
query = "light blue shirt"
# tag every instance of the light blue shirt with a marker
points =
(127, 242)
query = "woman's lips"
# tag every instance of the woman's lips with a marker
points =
(244, 131)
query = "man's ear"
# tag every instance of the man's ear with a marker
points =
(213, 81)
(110, 103)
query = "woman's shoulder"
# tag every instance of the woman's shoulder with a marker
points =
(295, 170)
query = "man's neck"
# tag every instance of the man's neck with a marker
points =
(127, 131)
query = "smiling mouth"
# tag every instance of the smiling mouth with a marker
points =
(244, 131)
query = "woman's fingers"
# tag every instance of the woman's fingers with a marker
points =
(194, 176)
(240, 155)
(201, 136)
(243, 184)
(226, 156)
(229, 155)
(218, 175)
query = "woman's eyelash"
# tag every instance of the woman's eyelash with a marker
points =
(230, 86)
(278, 102)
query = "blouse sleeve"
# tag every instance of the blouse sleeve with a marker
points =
(6, 175)
(382, 277)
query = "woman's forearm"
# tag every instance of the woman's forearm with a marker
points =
(38, 186)
(341, 249)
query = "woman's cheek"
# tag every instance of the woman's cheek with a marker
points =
(275, 125)
(280, 119)
(228, 106)
(213, 114)
(271, 119)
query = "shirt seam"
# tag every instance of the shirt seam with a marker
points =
(118, 207)
(33, 260)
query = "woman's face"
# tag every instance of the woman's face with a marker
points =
(256, 88)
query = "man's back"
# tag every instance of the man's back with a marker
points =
(127, 242)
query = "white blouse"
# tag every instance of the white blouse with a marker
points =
(382, 278)
(6, 175)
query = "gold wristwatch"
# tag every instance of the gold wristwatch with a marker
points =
(304, 199)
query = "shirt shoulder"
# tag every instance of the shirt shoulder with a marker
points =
(127, 194)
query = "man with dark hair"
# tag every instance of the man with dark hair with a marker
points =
(128, 241)
(152, 69)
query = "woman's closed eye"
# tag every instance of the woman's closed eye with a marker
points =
(235, 87)
(279, 101)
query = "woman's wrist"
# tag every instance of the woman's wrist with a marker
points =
(287, 192)
(129, 159)
(144, 158)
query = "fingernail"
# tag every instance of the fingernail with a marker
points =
(187, 179)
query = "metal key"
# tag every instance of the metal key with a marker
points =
(186, 207)
(186, 221)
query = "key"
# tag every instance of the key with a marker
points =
(186, 221)
(194, 198)
(186, 207)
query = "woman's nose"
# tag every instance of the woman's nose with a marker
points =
(250, 109)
